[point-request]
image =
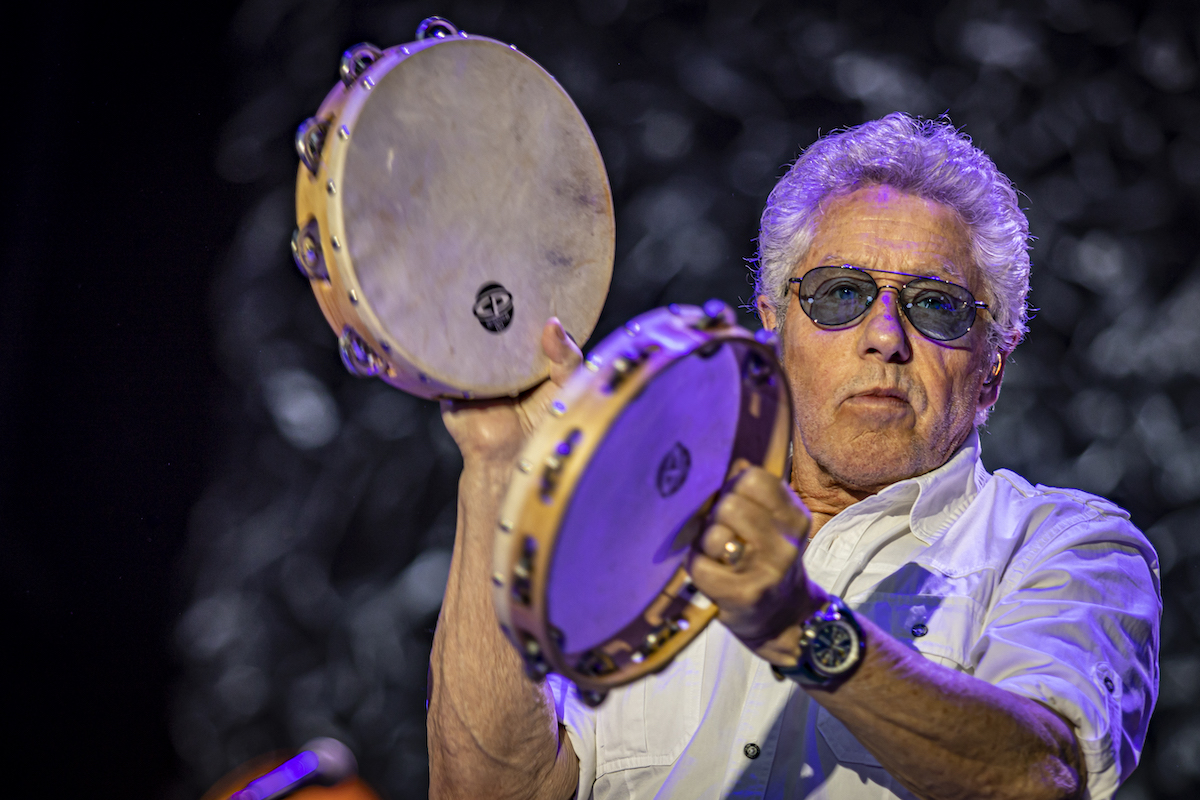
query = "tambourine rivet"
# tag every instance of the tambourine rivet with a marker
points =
(368, 82)
(512, 47)
(637, 657)
(524, 465)
(556, 636)
(331, 187)
(354, 297)
(591, 365)
(506, 526)
(404, 50)
(343, 132)
(558, 408)
(682, 624)
(632, 328)
(498, 578)
(337, 243)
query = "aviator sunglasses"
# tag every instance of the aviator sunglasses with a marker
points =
(940, 310)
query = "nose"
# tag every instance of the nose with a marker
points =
(882, 334)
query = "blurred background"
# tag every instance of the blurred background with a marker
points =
(214, 542)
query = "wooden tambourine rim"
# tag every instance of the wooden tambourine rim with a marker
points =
(317, 199)
(529, 514)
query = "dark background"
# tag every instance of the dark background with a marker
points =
(214, 542)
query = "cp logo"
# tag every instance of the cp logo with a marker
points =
(493, 307)
(673, 470)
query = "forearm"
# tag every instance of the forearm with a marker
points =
(945, 734)
(492, 732)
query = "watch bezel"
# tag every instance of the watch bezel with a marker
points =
(815, 646)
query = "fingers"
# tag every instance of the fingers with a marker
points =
(721, 543)
(766, 490)
(737, 519)
(748, 559)
(564, 354)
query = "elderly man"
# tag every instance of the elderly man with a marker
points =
(995, 639)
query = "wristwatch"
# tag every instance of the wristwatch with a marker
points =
(831, 647)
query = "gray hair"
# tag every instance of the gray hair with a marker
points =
(925, 158)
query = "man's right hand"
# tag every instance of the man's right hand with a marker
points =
(491, 433)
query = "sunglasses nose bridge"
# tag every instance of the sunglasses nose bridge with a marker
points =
(886, 330)
(881, 289)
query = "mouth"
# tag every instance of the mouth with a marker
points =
(879, 404)
(881, 395)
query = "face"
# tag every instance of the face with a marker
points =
(876, 401)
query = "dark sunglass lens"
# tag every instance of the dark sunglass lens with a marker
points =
(940, 310)
(836, 295)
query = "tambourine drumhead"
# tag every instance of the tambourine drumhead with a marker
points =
(461, 201)
(612, 491)
(663, 457)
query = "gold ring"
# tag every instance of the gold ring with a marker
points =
(734, 550)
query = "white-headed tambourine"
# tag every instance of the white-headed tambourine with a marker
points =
(450, 199)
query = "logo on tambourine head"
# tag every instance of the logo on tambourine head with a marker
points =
(673, 470)
(493, 307)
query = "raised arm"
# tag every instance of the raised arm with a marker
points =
(492, 732)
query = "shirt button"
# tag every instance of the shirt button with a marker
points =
(920, 629)
(751, 750)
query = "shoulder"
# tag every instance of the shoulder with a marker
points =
(1040, 512)
(1076, 501)
(1011, 524)
(1049, 520)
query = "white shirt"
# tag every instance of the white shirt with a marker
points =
(1049, 593)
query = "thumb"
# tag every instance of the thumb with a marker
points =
(565, 356)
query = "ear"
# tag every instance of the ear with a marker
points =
(989, 392)
(766, 312)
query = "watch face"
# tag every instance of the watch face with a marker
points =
(835, 648)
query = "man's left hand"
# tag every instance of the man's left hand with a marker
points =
(748, 562)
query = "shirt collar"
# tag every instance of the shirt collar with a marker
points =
(933, 500)
(944, 494)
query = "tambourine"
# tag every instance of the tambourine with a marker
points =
(616, 484)
(450, 199)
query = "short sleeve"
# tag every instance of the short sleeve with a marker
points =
(1077, 629)
(579, 720)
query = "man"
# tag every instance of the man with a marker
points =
(996, 639)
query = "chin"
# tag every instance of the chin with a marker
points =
(869, 476)
(873, 460)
